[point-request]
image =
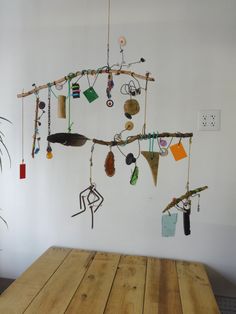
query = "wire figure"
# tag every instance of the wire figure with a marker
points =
(91, 198)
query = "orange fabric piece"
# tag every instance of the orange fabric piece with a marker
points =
(178, 151)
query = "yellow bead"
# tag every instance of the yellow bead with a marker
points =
(49, 155)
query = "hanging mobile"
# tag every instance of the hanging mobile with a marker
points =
(49, 154)
(22, 165)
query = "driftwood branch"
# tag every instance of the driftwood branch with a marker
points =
(142, 137)
(85, 72)
(188, 194)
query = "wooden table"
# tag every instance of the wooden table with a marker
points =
(76, 281)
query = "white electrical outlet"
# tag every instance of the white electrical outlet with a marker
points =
(209, 120)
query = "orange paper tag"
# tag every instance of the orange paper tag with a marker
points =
(178, 151)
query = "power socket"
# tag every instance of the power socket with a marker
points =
(209, 120)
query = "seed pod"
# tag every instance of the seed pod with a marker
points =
(110, 164)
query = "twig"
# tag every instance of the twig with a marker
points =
(142, 137)
(85, 72)
(175, 201)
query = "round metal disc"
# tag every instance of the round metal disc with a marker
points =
(131, 106)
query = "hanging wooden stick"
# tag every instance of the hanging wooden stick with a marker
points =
(142, 137)
(175, 201)
(75, 139)
(22, 165)
(85, 72)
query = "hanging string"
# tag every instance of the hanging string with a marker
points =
(69, 111)
(35, 124)
(151, 144)
(95, 79)
(131, 88)
(53, 92)
(189, 160)
(108, 33)
(145, 107)
(139, 149)
(22, 128)
(49, 154)
(49, 110)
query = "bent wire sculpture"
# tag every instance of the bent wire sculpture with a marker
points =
(92, 198)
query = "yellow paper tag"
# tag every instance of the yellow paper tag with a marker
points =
(178, 151)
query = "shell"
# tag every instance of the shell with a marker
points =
(110, 164)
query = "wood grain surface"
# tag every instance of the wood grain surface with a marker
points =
(75, 281)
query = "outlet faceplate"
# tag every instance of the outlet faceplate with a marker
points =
(209, 120)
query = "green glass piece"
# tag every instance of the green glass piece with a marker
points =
(90, 94)
(134, 176)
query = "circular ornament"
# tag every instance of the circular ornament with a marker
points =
(131, 106)
(122, 41)
(59, 86)
(129, 125)
(164, 152)
(163, 142)
(42, 105)
(110, 103)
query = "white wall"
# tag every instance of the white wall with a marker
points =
(190, 47)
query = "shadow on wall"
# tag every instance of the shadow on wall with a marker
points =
(220, 285)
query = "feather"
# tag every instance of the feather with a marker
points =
(68, 139)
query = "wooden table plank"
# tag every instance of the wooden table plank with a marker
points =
(127, 294)
(57, 293)
(195, 289)
(162, 288)
(17, 297)
(76, 281)
(92, 294)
